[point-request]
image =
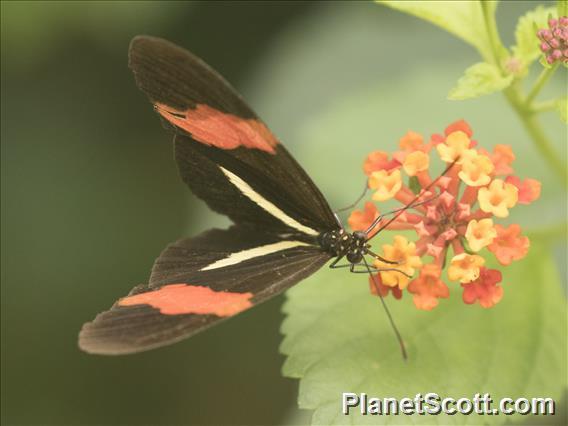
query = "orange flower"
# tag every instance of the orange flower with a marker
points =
(480, 234)
(529, 189)
(456, 144)
(361, 220)
(416, 162)
(460, 125)
(498, 198)
(378, 160)
(509, 244)
(476, 169)
(404, 253)
(411, 141)
(465, 267)
(386, 184)
(428, 287)
(455, 213)
(502, 158)
(484, 289)
(383, 289)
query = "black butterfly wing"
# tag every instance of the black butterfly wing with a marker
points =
(198, 282)
(231, 160)
(220, 140)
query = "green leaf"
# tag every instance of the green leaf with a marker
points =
(527, 49)
(562, 108)
(467, 248)
(479, 79)
(464, 19)
(414, 184)
(337, 339)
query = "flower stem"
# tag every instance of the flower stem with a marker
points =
(523, 105)
(544, 76)
(534, 128)
(544, 106)
(494, 39)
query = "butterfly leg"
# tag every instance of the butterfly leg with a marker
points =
(382, 259)
(373, 268)
(347, 265)
(334, 264)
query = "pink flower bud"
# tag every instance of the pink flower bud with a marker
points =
(546, 34)
(552, 23)
(564, 21)
(540, 34)
(566, 53)
(556, 54)
(550, 59)
(554, 43)
(544, 46)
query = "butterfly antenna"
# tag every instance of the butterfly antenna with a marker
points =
(350, 206)
(389, 316)
(409, 205)
(412, 205)
(378, 219)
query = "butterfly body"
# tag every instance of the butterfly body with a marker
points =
(339, 243)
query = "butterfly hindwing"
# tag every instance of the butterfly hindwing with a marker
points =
(215, 128)
(198, 282)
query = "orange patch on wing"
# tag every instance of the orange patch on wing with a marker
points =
(225, 131)
(176, 299)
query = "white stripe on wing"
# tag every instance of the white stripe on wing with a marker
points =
(241, 256)
(265, 204)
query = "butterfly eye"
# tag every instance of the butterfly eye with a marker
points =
(360, 235)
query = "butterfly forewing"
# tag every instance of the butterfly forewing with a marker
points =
(215, 127)
(171, 75)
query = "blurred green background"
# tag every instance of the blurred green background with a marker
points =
(90, 192)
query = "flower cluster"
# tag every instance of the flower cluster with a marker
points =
(456, 211)
(554, 40)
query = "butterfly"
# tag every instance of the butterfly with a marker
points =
(283, 228)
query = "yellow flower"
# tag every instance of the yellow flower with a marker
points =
(415, 162)
(456, 144)
(404, 253)
(480, 234)
(386, 183)
(476, 169)
(498, 198)
(465, 267)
